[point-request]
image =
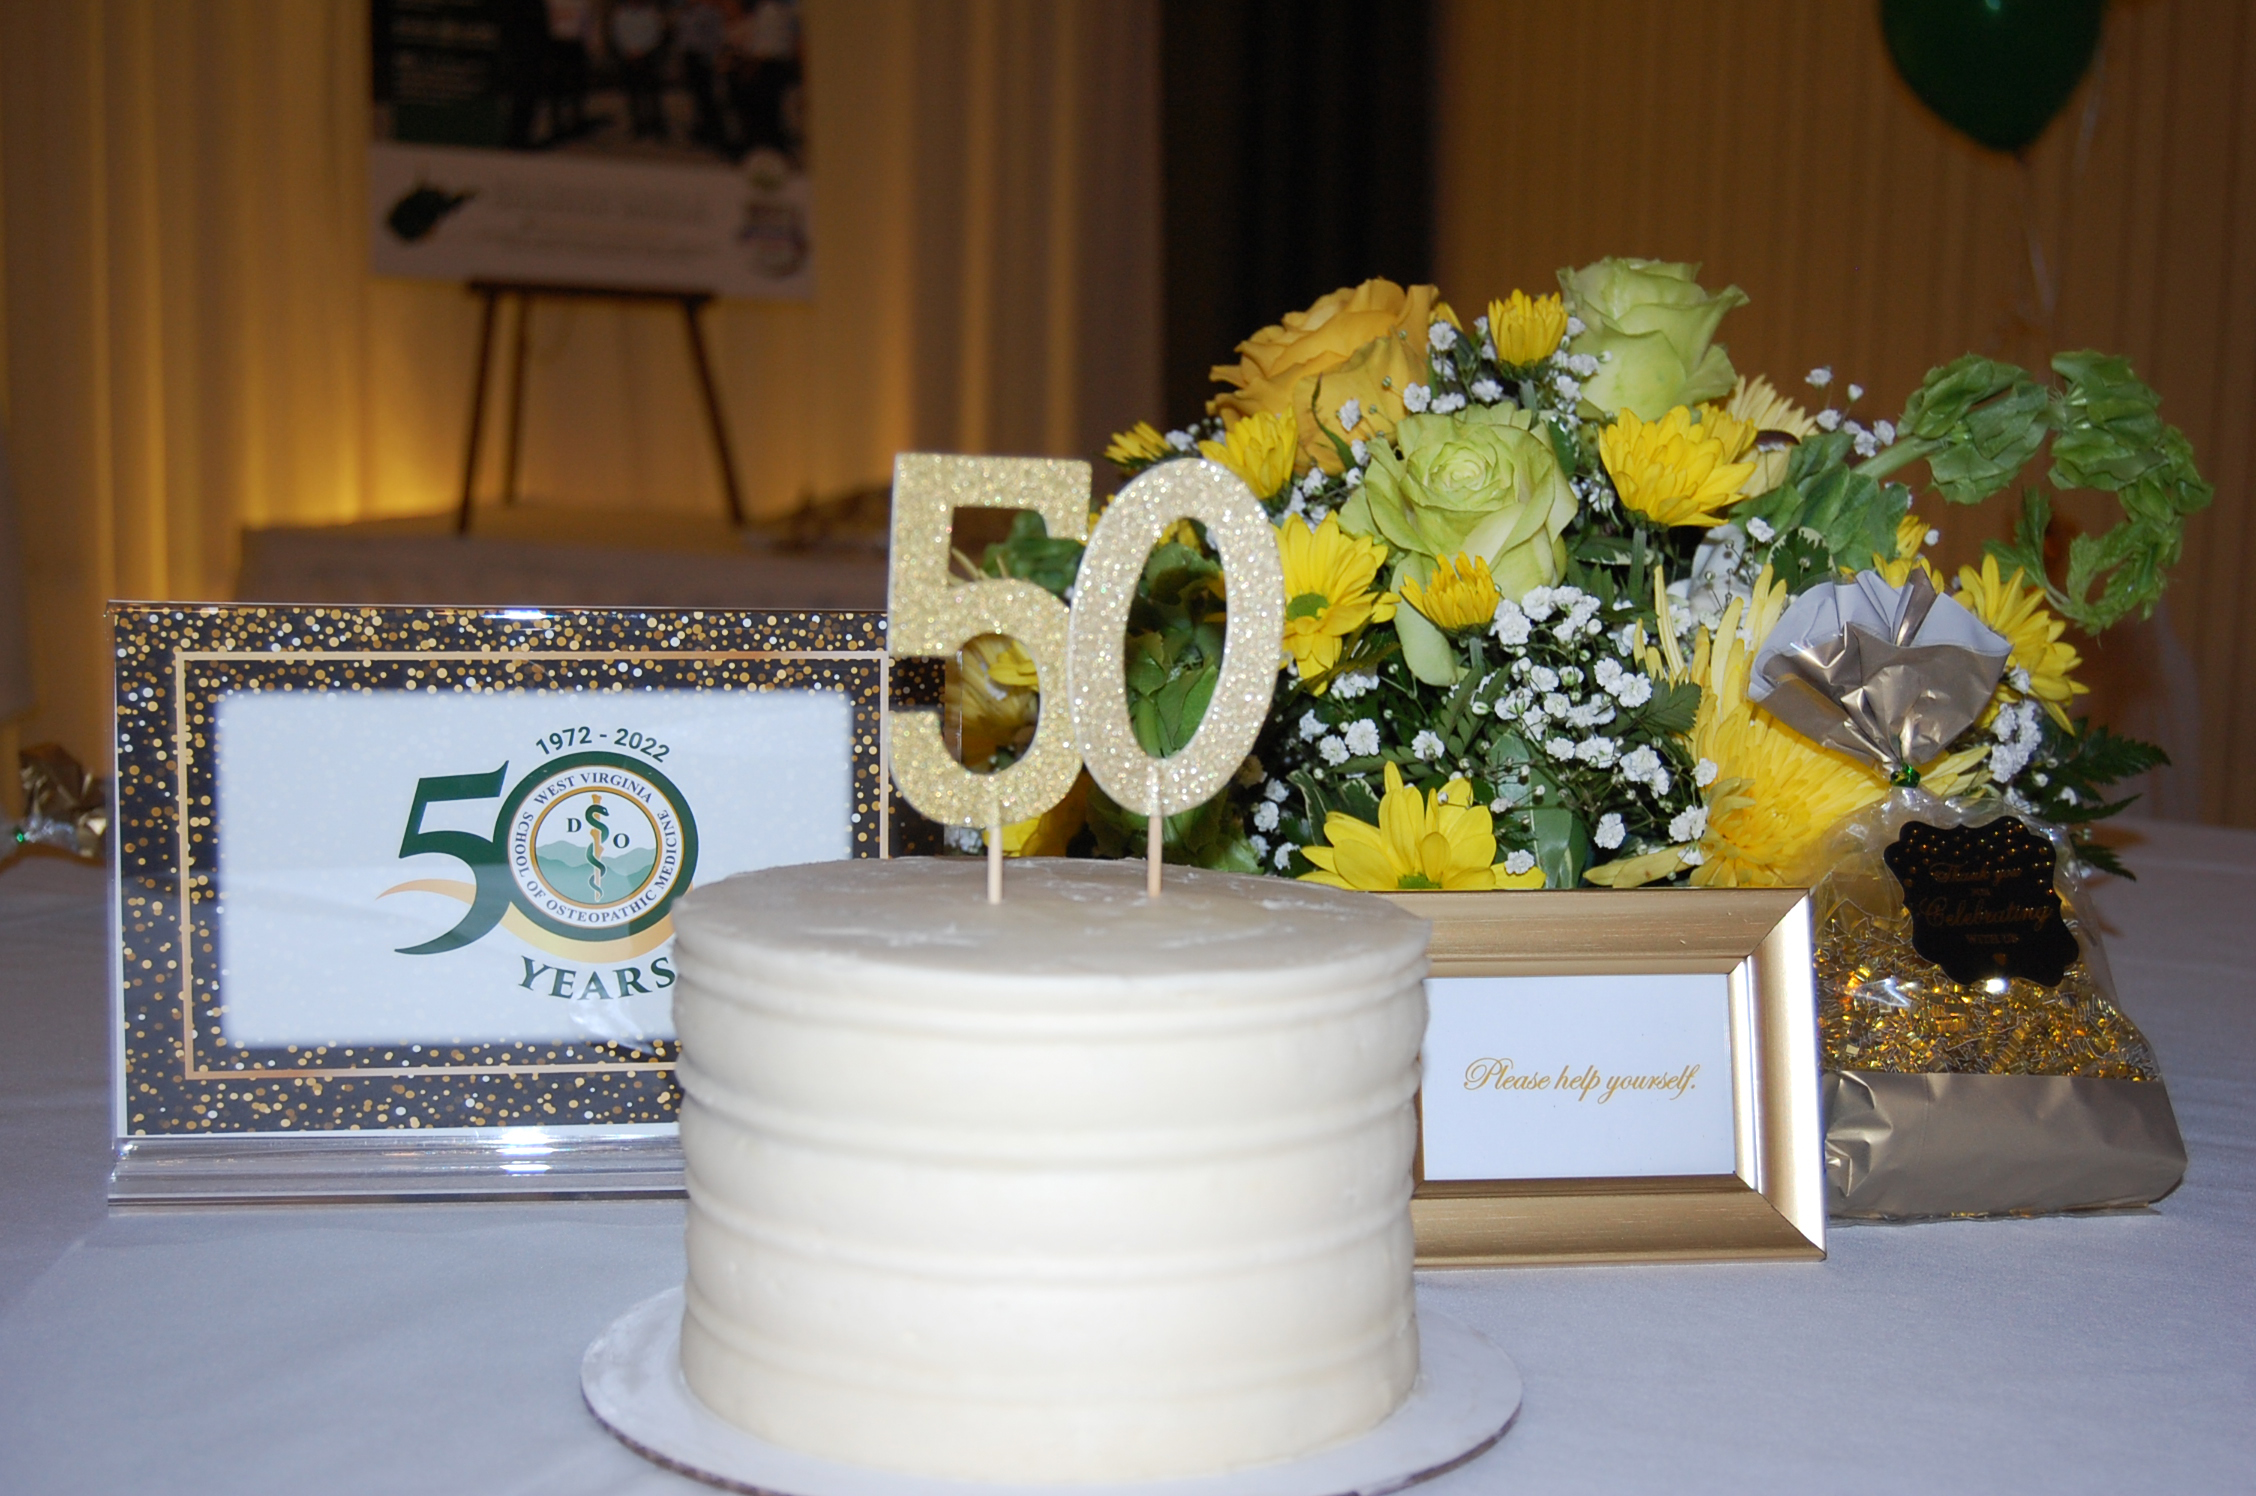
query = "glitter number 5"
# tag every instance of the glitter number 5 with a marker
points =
(931, 616)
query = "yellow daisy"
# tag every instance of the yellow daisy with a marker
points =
(1526, 330)
(1441, 840)
(1138, 445)
(1671, 471)
(1048, 834)
(2020, 614)
(1911, 537)
(1328, 593)
(989, 701)
(1764, 409)
(1259, 449)
(1463, 595)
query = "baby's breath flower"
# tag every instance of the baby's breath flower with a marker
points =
(1610, 831)
(1311, 727)
(1519, 864)
(1363, 737)
(1428, 746)
(1819, 377)
(1333, 749)
(1417, 397)
(1265, 815)
(1689, 825)
(1511, 625)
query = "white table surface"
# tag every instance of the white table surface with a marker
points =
(437, 1347)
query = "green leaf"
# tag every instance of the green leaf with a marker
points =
(1947, 394)
(1672, 709)
(1030, 553)
(1982, 453)
(1562, 845)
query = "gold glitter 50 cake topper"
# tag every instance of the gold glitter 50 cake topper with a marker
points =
(1078, 653)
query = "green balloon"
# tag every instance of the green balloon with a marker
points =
(1998, 70)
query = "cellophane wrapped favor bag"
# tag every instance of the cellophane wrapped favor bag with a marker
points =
(1977, 1063)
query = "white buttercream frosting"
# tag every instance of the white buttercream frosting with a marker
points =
(1078, 1187)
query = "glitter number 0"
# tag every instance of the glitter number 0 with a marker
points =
(1096, 671)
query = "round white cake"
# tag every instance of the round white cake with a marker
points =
(1078, 1187)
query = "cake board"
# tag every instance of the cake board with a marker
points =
(1465, 1398)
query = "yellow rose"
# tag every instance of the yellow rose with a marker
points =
(1277, 362)
(1368, 387)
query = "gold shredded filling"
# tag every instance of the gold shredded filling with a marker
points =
(1883, 1006)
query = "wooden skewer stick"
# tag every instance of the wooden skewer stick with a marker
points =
(1155, 838)
(994, 850)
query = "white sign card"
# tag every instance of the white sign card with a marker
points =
(608, 808)
(1577, 1077)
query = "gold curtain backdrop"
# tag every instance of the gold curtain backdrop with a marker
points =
(194, 343)
(1772, 140)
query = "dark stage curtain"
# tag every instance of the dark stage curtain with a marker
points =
(1298, 154)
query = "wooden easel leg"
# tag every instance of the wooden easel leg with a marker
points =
(691, 306)
(477, 411)
(516, 397)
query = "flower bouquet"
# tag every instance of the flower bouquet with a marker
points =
(1533, 562)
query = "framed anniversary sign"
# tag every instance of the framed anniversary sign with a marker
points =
(393, 885)
(1618, 1075)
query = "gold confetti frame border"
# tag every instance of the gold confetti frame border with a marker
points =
(176, 1075)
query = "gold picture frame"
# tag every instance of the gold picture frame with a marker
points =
(1772, 1205)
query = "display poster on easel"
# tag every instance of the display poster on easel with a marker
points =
(631, 144)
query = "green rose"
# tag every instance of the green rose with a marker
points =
(1482, 482)
(1657, 325)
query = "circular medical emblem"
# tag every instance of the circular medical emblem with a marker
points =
(598, 845)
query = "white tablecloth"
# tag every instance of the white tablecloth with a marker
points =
(437, 1347)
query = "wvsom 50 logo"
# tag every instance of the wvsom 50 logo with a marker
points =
(588, 853)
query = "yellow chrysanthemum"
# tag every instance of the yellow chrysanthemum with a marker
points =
(1259, 449)
(1139, 444)
(1671, 471)
(1774, 793)
(1526, 329)
(1737, 436)
(1441, 840)
(989, 700)
(1328, 593)
(1463, 595)
(2020, 614)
